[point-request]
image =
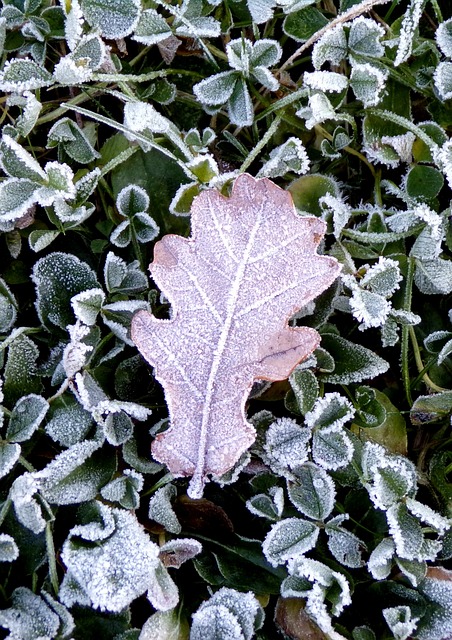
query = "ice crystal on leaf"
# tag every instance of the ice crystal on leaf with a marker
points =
(234, 272)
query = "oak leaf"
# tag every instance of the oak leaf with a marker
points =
(249, 265)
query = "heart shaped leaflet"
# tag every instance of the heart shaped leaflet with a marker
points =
(249, 265)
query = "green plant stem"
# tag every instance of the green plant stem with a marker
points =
(437, 10)
(420, 365)
(52, 558)
(261, 144)
(4, 510)
(405, 332)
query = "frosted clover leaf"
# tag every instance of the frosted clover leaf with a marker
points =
(369, 301)
(132, 203)
(286, 445)
(249, 61)
(288, 157)
(331, 446)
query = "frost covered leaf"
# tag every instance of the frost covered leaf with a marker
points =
(344, 545)
(290, 156)
(405, 531)
(8, 307)
(20, 75)
(380, 560)
(364, 37)
(114, 19)
(118, 317)
(208, 368)
(120, 276)
(443, 37)
(331, 449)
(330, 413)
(26, 416)
(164, 625)
(26, 507)
(20, 372)
(68, 421)
(111, 574)
(332, 47)
(434, 276)
(151, 28)
(400, 621)
(161, 509)
(87, 305)
(443, 80)
(29, 617)
(326, 81)
(313, 493)
(408, 30)
(305, 389)
(58, 277)
(286, 445)
(17, 195)
(175, 552)
(353, 362)
(73, 140)
(77, 474)
(17, 162)
(368, 83)
(9, 455)
(124, 489)
(289, 538)
(227, 615)
(8, 548)
(30, 113)
(327, 592)
(267, 506)
(437, 587)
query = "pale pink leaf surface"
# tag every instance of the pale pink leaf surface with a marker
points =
(250, 264)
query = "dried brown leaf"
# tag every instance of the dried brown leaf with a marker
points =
(250, 264)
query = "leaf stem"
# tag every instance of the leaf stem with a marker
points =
(420, 365)
(405, 332)
(261, 144)
(51, 558)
